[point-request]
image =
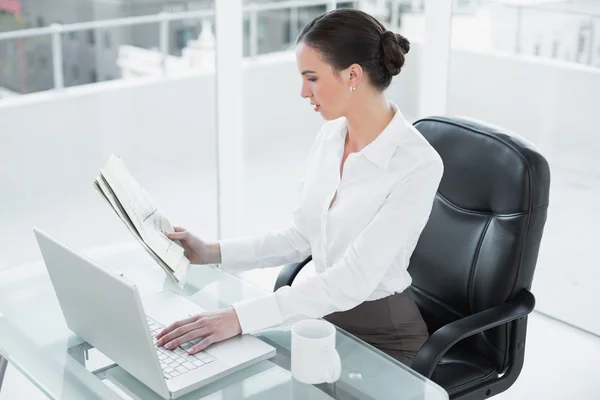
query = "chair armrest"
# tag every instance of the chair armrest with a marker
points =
(444, 338)
(288, 273)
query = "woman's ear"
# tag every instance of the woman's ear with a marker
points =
(355, 75)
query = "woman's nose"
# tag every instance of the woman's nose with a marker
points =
(304, 92)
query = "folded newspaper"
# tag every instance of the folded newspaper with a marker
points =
(139, 213)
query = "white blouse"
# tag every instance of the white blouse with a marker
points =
(361, 246)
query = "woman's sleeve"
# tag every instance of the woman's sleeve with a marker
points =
(355, 276)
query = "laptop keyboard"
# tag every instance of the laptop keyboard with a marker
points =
(178, 361)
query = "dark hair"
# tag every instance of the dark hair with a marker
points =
(348, 36)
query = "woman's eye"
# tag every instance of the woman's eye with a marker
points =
(312, 79)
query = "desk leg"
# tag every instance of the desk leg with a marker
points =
(79, 352)
(3, 365)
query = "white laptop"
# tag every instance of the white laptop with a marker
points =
(105, 310)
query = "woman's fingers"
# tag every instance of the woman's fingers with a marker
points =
(204, 343)
(177, 235)
(189, 336)
(177, 333)
(174, 326)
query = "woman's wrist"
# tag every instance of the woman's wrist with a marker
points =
(213, 253)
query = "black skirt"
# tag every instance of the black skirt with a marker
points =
(392, 324)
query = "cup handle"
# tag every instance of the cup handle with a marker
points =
(334, 367)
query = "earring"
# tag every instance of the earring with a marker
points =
(352, 89)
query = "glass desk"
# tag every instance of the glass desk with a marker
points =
(35, 340)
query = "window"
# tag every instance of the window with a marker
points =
(75, 72)
(581, 42)
(184, 35)
(93, 76)
(73, 35)
(40, 22)
(287, 34)
(555, 46)
(107, 40)
(43, 61)
(261, 32)
(91, 37)
(109, 77)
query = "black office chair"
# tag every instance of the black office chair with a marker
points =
(473, 266)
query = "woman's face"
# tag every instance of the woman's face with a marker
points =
(327, 91)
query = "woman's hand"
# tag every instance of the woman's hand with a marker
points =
(211, 327)
(197, 251)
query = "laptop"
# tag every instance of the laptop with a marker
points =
(105, 309)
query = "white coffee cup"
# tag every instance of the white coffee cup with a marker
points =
(314, 357)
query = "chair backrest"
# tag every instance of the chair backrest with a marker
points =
(480, 246)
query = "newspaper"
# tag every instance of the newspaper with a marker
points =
(143, 218)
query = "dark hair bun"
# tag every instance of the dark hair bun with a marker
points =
(393, 48)
(347, 36)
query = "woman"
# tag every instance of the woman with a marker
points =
(366, 197)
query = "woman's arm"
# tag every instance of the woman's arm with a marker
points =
(241, 254)
(356, 275)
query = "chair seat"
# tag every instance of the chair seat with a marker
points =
(459, 369)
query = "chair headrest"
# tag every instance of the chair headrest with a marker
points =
(487, 168)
